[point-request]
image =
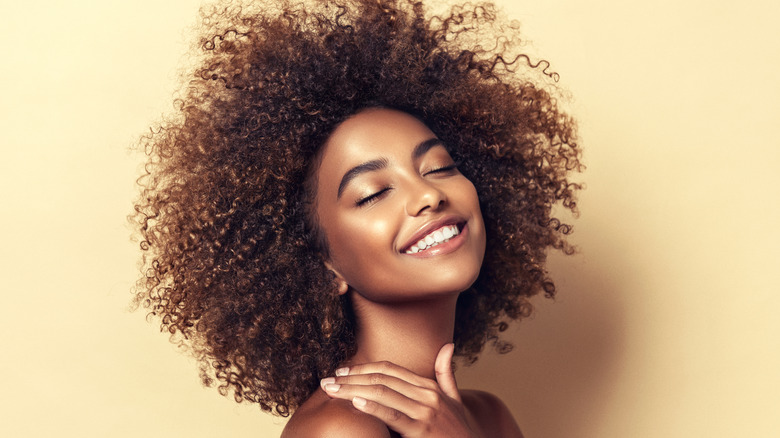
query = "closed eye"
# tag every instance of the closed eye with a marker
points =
(370, 199)
(444, 169)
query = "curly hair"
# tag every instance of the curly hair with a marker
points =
(232, 263)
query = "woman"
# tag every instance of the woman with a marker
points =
(350, 193)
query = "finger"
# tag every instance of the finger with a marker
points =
(444, 375)
(379, 394)
(378, 380)
(394, 419)
(387, 368)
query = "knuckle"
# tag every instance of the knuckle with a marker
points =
(384, 366)
(430, 384)
(394, 415)
(379, 391)
(427, 414)
(376, 379)
(432, 398)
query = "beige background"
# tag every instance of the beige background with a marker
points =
(666, 322)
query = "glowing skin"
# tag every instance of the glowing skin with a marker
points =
(405, 237)
(387, 194)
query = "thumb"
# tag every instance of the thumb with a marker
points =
(444, 374)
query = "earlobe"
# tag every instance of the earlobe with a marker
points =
(342, 284)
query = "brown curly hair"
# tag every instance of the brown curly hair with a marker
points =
(232, 263)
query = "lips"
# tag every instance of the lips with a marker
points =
(430, 228)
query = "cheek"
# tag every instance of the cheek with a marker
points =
(357, 246)
(466, 194)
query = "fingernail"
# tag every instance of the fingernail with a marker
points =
(331, 387)
(327, 381)
(359, 402)
(342, 371)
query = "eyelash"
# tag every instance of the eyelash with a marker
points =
(453, 166)
(370, 199)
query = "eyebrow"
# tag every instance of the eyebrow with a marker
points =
(381, 163)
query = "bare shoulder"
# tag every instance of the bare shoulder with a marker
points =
(323, 417)
(491, 414)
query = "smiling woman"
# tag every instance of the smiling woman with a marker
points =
(351, 193)
(409, 197)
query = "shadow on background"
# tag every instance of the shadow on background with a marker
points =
(567, 357)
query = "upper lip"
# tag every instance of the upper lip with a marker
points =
(429, 227)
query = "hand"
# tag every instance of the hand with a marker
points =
(407, 403)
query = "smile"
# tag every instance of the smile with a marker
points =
(435, 238)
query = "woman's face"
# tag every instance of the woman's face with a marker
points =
(401, 222)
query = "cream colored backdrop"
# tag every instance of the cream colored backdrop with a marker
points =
(666, 321)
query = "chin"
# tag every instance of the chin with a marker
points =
(455, 285)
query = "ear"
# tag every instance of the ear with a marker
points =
(343, 286)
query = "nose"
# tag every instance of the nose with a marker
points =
(424, 196)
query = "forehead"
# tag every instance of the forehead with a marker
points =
(376, 133)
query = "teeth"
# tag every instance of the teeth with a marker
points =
(441, 235)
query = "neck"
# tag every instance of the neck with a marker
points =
(407, 334)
